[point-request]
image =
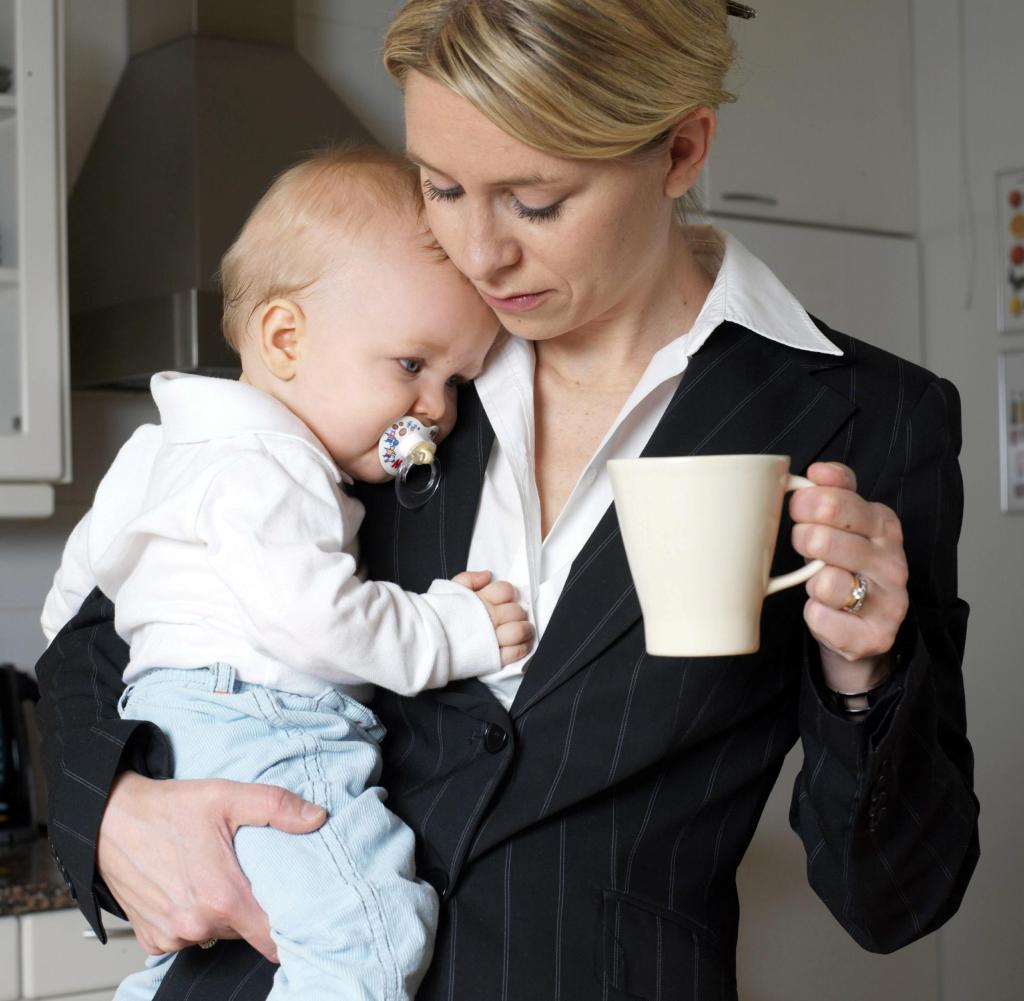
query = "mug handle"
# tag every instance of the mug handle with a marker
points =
(808, 570)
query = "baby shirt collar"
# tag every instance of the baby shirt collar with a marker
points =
(198, 408)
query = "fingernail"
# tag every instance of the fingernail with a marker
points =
(310, 811)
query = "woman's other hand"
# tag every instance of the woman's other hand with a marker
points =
(166, 852)
(853, 536)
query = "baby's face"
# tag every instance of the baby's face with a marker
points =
(390, 331)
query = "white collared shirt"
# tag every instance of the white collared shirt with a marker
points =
(507, 534)
(223, 534)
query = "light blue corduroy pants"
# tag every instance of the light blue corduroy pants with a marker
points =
(348, 916)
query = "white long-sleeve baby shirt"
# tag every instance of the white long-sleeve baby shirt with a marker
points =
(224, 534)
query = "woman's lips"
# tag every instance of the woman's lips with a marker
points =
(519, 303)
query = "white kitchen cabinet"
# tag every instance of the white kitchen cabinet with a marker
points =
(823, 129)
(863, 284)
(34, 436)
(91, 996)
(84, 963)
(10, 980)
(54, 955)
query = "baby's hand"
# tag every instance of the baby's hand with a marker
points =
(514, 632)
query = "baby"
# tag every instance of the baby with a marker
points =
(227, 539)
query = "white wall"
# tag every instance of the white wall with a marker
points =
(982, 950)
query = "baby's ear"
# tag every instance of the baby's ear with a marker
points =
(281, 327)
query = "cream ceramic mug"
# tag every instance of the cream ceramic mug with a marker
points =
(700, 533)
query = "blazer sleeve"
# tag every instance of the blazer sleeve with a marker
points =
(885, 807)
(85, 745)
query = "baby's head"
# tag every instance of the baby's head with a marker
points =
(343, 307)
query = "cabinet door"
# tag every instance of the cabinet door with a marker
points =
(91, 996)
(862, 284)
(84, 964)
(10, 987)
(33, 377)
(823, 130)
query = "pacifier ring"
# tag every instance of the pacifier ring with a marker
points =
(413, 498)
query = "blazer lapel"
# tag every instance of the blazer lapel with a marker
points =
(740, 393)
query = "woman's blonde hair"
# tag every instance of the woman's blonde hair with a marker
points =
(298, 228)
(593, 79)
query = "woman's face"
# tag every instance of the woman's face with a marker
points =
(552, 244)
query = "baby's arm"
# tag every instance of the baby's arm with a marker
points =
(72, 582)
(118, 498)
(280, 537)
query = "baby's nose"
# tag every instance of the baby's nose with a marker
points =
(430, 407)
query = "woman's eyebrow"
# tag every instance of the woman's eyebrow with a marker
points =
(508, 182)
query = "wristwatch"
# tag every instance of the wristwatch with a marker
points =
(856, 703)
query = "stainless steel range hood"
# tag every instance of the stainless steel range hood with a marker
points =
(201, 121)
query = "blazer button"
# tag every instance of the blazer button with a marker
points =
(874, 819)
(495, 738)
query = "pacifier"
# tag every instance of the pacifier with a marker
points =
(404, 446)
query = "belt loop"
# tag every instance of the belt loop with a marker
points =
(223, 679)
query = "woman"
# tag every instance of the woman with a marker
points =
(582, 815)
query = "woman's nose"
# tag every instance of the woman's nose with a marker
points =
(486, 249)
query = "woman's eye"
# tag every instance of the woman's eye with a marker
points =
(411, 365)
(454, 380)
(545, 214)
(436, 194)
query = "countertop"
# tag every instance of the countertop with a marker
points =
(29, 880)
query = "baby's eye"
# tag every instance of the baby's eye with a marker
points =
(411, 365)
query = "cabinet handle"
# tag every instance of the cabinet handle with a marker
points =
(752, 199)
(111, 932)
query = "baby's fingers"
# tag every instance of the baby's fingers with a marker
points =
(498, 592)
(515, 640)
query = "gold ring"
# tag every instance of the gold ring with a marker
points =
(858, 594)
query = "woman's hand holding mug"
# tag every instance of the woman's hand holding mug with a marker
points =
(855, 538)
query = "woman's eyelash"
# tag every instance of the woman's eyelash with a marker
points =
(550, 212)
(437, 194)
(538, 215)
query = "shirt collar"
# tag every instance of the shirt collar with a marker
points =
(746, 292)
(198, 408)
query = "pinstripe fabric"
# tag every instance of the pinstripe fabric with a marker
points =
(585, 843)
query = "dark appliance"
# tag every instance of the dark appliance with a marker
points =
(18, 696)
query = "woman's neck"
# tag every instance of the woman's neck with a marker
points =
(612, 351)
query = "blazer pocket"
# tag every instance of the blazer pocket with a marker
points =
(651, 953)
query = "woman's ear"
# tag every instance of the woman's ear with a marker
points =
(281, 329)
(689, 144)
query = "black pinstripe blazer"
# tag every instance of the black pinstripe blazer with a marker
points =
(585, 843)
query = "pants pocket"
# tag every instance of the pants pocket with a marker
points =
(652, 953)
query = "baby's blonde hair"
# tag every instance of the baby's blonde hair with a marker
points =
(298, 227)
(596, 80)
